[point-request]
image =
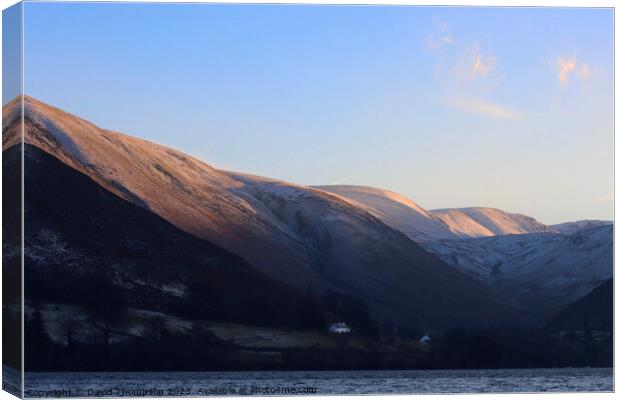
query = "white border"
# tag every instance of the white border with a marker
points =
(480, 3)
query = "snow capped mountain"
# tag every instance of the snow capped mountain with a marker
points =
(568, 228)
(81, 236)
(536, 265)
(483, 221)
(543, 272)
(303, 236)
(395, 210)
(422, 225)
(572, 267)
(490, 258)
(367, 242)
(538, 261)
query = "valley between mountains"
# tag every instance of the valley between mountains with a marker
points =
(127, 240)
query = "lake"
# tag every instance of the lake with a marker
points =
(119, 384)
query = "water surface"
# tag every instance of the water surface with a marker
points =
(118, 384)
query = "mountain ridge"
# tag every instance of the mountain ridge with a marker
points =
(302, 236)
(133, 252)
(447, 223)
(394, 209)
(487, 221)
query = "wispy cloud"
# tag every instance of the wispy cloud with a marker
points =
(458, 60)
(447, 40)
(482, 64)
(463, 61)
(565, 67)
(441, 37)
(431, 43)
(342, 180)
(468, 75)
(483, 107)
(584, 72)
(568, 67)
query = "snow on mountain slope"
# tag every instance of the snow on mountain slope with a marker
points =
(395, 210)
(495, 246)
(352, 248)
(568, 228)
(541, 271)
(534, 260)
(579, 262)
(11, 126)
(565, 273)
(303, 236)
(187, 192)
(421, 225)
(490, 258)
(483, 221)
(80, 235)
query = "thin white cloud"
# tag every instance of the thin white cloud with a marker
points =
(482, 64)
(584, 72)
(569, 67)
(468, 72)
(341, 180)
(565, 67)
(472, 63)
(483, 107)
(431, 44)
(441, 37)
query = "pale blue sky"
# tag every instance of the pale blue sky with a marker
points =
(452, 107)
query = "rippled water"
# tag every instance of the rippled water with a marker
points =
(327, 382)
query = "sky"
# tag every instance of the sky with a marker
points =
(452, 107)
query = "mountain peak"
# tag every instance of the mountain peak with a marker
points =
(369, 191)
(449, 223)
(576, 226)
(487, 221)
(393, 209)
(13, 107)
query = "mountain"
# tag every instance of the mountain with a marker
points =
(566, 271)
(422, 225)
(484, 221)
(86, 246)
(543, 272)
(12, 295)
(11, 227)
(395, 210)
(568, 228)
(593, 311)
(301, 236)
(542, 268)
(490, 258)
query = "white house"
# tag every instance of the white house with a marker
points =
(425, 339)
(339, 328)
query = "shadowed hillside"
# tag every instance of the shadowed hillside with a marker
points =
(295, 234)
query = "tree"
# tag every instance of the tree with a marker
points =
(69, 327)
(106, 306)
(36, 334)
(308, 315)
